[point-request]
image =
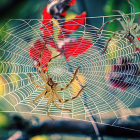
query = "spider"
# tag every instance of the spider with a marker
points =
(51, 88)
(130, 31)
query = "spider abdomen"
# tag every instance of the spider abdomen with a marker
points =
(48, 88)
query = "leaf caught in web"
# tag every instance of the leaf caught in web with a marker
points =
(72, 2)
(138, 37)
(77, 82)
(47, 24)
(120, 78)
(34, 53)
(76, 47)
(72, 25)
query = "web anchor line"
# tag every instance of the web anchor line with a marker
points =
(87, 110)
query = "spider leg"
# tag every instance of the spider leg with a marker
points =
(126, 63)
(58, 96)
(75, 96)
(55, 56)
(41, 94)
(134, 46)
(47, 74)
(131, 59)
(138, 28)
(109, 40)
(35, 82)
(49, 62)
(56, 105)
(58, 88)
(60, 108)
(51, 59)
(40, 58)
(48, 103)
(119, 19)
(42, 74)
(124, 16)
(132, 11)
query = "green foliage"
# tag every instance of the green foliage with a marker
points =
(4, 3)
(5, 27)
(4, 120)
(124, 6)
(23, 9)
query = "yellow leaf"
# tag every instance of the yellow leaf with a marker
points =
(56, 29)
(3, 82)
(70, 15)
(76, 85)
(112, 49)
(39, 137)
(4, 121)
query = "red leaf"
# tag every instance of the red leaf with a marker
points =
(72, 2)
(138, 37)
(35, 53)
(45, 14)
(76, 47)
(47, 26)
(64, 13)
(51, 43)
(75, 23)
(72, 25)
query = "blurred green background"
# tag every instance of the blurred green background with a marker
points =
(32, 9)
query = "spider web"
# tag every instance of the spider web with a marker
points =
(104, 102)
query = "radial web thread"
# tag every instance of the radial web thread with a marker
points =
(17, 91)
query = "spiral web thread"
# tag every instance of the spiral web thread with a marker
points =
(104, 102)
